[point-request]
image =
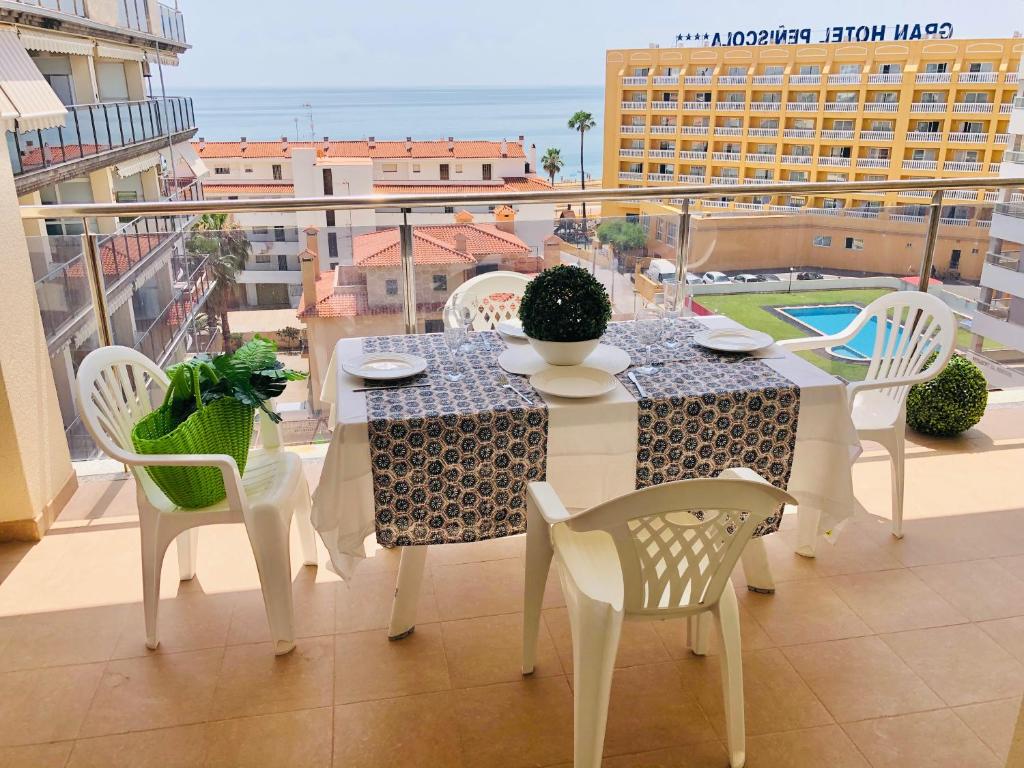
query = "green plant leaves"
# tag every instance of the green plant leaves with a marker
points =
(951, 403)
(565, 303)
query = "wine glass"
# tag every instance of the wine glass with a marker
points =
(671, 309)
(649, 324)
(467, 314)
(455, 341)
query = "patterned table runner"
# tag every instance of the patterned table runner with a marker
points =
(707, 411)
(451, 461)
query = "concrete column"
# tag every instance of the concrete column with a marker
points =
(122, 324)
(102, 183)
(151, 184)
(35, 468)
(251, 296)
(83, 79)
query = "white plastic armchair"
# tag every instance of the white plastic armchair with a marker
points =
(495, 295)
(898, 361)
(115, 388)
(643, 556)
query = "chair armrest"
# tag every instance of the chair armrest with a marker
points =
(270, 432)
(226, 464)
(546, 501)
(813, 342)
(856, 387)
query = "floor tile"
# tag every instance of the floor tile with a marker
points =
(187, 622)
(168, 748)
(313, 610)
(708, 754)
(253, 681)
(895, 600)
(42, 705)
(993, 722)
(365, 603)
(369, 666)
(489, 650)
(36, 755)
(282, 740)
(774, 696)
(860, 678)
(803, 612)
(154, 692)
(638, 643)
(937, 739)
(1009, 633)
(467, 590)
(478, 551)
(824, 746)
(51, 639)
(962, 664)
(652, 707)
(980, 589)
(411, 731)
(514, 725)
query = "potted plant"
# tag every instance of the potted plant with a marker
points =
(564, 312)
(951, 403)
(209, 408)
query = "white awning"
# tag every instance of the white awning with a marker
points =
(187, 153)
(110, 51)
(41, 41)
(167, 59)
(137, 164)
(27, 97)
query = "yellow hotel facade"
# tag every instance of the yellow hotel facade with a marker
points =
(809, 112)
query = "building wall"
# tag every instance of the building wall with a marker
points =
(377, 280)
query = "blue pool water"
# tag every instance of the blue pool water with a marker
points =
(833, 318)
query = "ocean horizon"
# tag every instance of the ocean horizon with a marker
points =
(465, 112)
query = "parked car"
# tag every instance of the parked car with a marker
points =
(661, 271)
(771, 278)
(746, 277)
(809, 276)
(692, 279)
(714, 278)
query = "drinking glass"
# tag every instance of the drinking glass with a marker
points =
(467, 314)
(650, 325)
(455, 340)
(671, 310)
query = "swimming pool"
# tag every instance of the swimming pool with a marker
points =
(832, 318)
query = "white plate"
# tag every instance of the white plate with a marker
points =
(384, 366)
(575, 381)
(522, 359)
(513, 328)
(734, 339)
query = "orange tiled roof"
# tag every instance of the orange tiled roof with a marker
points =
(266, 188)
(436, 245)
(121, 254)
(381, 149)
(512, 184)
(349, 302)
(57, 154)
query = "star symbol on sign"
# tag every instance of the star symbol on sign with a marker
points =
(689, 36)
(706, 36)
(679, 37)
(696, 35)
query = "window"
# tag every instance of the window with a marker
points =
(279, 235)
(772, 97)
(984, 66)
(929, 126)
(847, 97)
(936, 67)
(933, 97)
(332, 245)
(704, 71)
(129, 196)
(331, 218)
(440, 282)
(976, 97)
(390, 167)
(954, 259)
(882, 125)
(823, 241)
(263, 258)
(275, 171)
(659, 229)
(737, 71)
(282, 262)
(889, 69)
(641, 71)
(248, 169)
(849, 69)
(798, 175)
(221, 170)
(449, 209)
(804, 124)
(806, 97)
(487, 172)
(458, 167)
(673, 233)
(842, 125)
(854, 244)
(810, 69)
(415, 167)
(774, 70)
(391, 287)
(328, 181)
(887, 97)
(445, 172)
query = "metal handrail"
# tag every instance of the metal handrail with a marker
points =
(619, 194)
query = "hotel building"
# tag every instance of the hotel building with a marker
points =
(810, 112)
(86, 121)
(241, 169)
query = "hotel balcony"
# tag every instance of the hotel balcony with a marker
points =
(665, 106)
(666, 79)
(132, 16)
(634, 106)
(932, 77)
(924, 136)
(883, 79)
(973, 107)
(663, 129)
(661, 153)
(661, 177)
(1012, 78)
(723, 130)
(852, 79)
(630, 176)
(798, 133)
(732, 79)
(797, 159)
(873, 162)
(694, 130)
(689, 154)
(1004, 272)
(801, 106)
(631, 153)
(877, 135)
(765, 106)
(1006, 108)
(1013, 156)
(962, 166)
(697, 80)
(690, 179)
(730, 106)
(697, 106)
(729, 157)
(828, 161)
(767, 133)
(723, 180)
(977, 77)
(881, 106)
(805, 79)
(1001, 138)
(958, 137)
(98, 135)
(759, 158)
(1018, 102)
(927, 106)
(756, 180)
(767, 79)
(841, 106)
(634, 81)
(832, 135)
(632, 128)
(920, 165)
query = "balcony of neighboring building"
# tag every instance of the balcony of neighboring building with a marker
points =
(1004, 271)
(139, 22)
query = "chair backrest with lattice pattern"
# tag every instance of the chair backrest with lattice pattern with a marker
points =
(494, 295)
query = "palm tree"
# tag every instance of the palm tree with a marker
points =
(226, 248)
(582, 122)
(552, 162)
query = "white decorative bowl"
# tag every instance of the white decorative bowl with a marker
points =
(564, 352)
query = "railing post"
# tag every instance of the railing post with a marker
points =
(408, 272)
(97, 288)
(682, 248)
(931, 238)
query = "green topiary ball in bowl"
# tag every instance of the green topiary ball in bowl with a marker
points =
(951, 403)
(565, 304)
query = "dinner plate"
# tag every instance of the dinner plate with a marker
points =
(575, 381)
(384, 366)
(524, 360)
(513, 328)
(733, 339)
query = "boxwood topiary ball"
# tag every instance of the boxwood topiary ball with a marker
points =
(952, 402)
(565, 303)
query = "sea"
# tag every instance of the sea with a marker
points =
(539, 114)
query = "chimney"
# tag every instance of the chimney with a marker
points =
(408, 143)
(372, 143)
(310, 273)
(504, 148)
(505, 219)
(327, 144)
(451, 144)
(522, 140)
(461, 244)
(244, 144)
(313, 246)
(202, 143)
(531, 159)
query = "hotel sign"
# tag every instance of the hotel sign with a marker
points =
(795, 35)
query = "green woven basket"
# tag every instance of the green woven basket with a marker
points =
(223, 426)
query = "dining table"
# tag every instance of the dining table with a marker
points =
(432, 461)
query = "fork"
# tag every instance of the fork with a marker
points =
(504, 383)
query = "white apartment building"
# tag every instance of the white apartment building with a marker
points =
(254, 169)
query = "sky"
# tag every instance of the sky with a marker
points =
(354, 43)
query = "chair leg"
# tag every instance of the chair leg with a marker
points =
(407, 592)
(268, 534)
(698, 633)
(153, 551)
(307, 535)
(538, 565)
(728, 620)
(897, 453)
(595, 641)
(188, 551)
(756, 568)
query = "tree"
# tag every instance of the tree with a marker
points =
(552, 162)
(291, 334)
(622, 235)
(582, 122)
(226, 248)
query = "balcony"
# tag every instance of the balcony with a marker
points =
(665, 105)
(69, 7)
(666, 79)
(94, 129)
(798, 133)
(661, 153)
(661, 177)
(932, 77)
(927, 106)
(634, 81)
(728, 157)
(1014, 156)
(1018, 102)
(632, 128)
(1012, 78)
(759, 158)
(1001, 138)
(877, 135)
(697, 80)
(172, 23)
(631, 153)
(828, 161)
(886, 106)
(962, 166)
(977, 77)
(801, 106)
(924, 136)
(797, 159)
(833, 135)
(663, 129)
(690, 154)
(758, 180)
(850, 79)
(732, 79)
(878, 78)
(1006, 108)
(959, 137)
(723, 130)
(697, 106)
(840, 106)
(765, 106)
(690, 179)
(630, 176)
(634, 106)
(973, 107)
(694, 130)
(805, 79)
(766, 133)
(729, 106)
(767, 80)
(872, 162)
(920, 165)
(722, 180)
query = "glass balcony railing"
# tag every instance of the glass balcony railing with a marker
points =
(70, 7)
(133, 14)
(172, 23)
(94, 128)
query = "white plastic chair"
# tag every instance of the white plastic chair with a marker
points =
(495, 295)
(112, 394)
(898, 361)
(643, 556)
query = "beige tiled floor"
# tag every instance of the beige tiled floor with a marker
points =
(878, 653)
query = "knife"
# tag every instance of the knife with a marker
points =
(639, 389)
(396, 386)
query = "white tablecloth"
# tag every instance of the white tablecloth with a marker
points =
(591, 454)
